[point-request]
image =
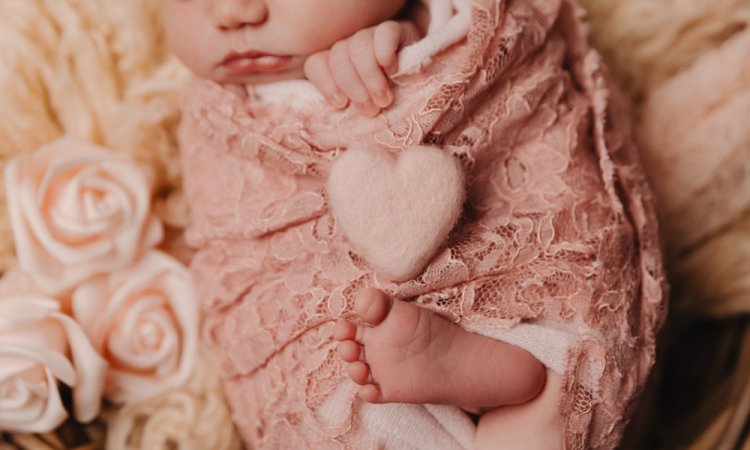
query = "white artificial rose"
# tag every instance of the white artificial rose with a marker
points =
(77, 210)
(39, 347)
(144, 321)
(193, 417)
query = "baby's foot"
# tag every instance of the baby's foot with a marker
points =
(408, 354)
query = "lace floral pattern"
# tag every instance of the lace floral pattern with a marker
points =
(559, 226)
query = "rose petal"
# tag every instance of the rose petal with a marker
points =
(128, 356)
(43, 334)
(35, 341)
(53, 248)
(78, 210)
(90, 371)
(79, 215)
(40, 415)
(56, 363)
(157, 291)
(153, 234)
(10, 367)
(25, 393)
(89, 301)
(23, 309)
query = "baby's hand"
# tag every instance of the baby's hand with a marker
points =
(355, 68)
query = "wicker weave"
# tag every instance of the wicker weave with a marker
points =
(699, 393)
(69, 436)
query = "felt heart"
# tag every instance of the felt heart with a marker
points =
(396, 212)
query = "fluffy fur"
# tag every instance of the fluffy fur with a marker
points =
(396, 212)
(697, 145)
(98, 70)
(698, 151)
(648, 41)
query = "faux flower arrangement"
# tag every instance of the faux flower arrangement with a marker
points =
(92, 305)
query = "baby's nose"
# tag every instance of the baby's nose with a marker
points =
(229, 14)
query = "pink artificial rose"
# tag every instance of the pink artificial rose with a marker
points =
(144, 321)
(39, 347)
(78, 210)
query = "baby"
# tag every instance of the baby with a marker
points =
(283, 287)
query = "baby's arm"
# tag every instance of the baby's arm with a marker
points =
(355, 69)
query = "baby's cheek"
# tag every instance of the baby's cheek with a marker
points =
(198, 56)
(185, 53)
(190, 38)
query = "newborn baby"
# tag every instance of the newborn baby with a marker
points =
(543, 234)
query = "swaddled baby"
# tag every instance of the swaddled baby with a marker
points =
(437, 222)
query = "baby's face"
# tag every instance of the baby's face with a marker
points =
(260, 41)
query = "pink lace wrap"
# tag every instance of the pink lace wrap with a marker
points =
(557, 250)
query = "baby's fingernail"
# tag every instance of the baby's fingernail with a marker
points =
(369, 109)
(338, 100)
(383, 98)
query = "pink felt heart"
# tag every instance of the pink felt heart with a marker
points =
(396, 212)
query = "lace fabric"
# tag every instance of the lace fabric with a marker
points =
(559, 228)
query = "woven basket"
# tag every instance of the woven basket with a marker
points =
(699, 393)
(69, 436)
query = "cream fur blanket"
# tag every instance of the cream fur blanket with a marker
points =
(98, 70)
(648, 41)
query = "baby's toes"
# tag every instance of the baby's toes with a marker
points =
(344, 331)
(349, 351)
(371, 394)
(359, 372)
(372, 306)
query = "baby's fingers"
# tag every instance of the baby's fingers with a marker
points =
(317, 70)
(348, 80)
(389, 37)
(362, 53)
